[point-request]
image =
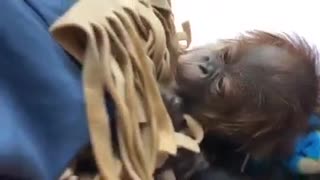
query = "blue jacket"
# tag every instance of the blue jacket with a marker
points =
(42, 110)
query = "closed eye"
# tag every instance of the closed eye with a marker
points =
(217, 86)
(225, 56)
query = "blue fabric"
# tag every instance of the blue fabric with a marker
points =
(42, 110)
(314, 121)
(312, 148)
(306, 146)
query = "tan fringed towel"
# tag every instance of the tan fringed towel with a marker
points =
(123, 49)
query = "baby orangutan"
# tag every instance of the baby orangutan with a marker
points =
(255, 91)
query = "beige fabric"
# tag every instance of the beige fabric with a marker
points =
(186, 34)
(123, 47)
(167, 175)
(163, 4)
(309, 166)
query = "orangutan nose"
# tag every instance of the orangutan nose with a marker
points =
(207, 66)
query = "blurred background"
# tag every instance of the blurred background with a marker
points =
(212, 19)
(215, 19)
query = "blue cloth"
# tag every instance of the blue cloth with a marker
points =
(306, 146)
(314, 121)
(42, 110)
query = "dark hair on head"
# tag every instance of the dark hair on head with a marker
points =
(269, 129)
